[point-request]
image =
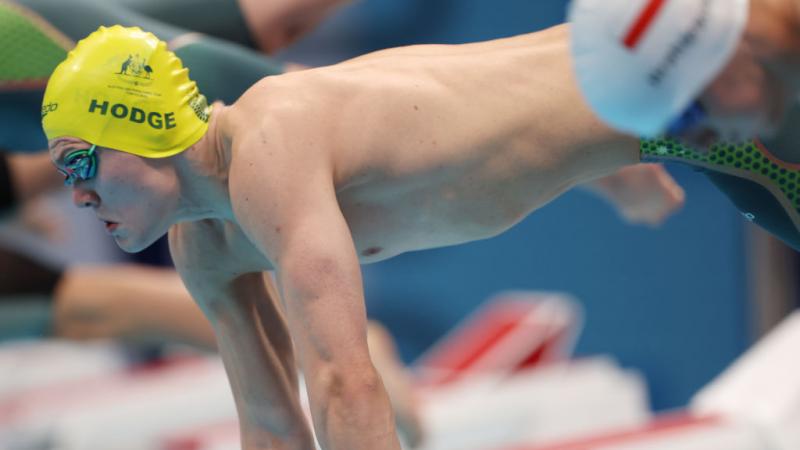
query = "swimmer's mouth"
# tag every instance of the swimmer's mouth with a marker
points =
(111, 226)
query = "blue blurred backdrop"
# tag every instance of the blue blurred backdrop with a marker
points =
(670, 302)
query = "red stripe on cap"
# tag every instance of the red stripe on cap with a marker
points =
(642, 23)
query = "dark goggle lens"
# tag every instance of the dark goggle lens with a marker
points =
(80, 165)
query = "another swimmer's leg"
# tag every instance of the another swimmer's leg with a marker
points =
(223, 71)
(223, 19)
(128, 302)
(765, 189)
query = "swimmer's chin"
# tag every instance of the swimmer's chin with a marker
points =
(129, 245)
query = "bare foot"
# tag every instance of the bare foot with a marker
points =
(397, 381)
(643, 194)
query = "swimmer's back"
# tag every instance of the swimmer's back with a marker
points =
(430, 145)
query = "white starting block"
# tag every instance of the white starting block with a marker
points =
(503, 376)
(754, 405)
(535, 406)
(124, 410)
(31, 365)
(762, 388)
(501, 381)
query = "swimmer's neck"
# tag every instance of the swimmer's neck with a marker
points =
(203, 174)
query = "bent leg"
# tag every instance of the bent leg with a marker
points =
(222, 19)
(223, 71)
(765, 189)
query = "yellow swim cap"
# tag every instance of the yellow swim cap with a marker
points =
(123, 89)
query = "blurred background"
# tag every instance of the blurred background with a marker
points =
(677, 303)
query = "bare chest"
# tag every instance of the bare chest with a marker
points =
(446, 202)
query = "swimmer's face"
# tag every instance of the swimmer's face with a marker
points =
(747, 100)
(133, 196)
(761, 83)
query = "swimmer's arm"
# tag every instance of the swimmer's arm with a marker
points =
(251, 338)
(297, 222)
(321, 279)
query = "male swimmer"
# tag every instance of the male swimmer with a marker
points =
(130, 302)
(36, 35)
(309, 174)
(697, 71)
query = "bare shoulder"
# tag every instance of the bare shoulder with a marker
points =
(284, 140)
(277, 119)
(281, 95)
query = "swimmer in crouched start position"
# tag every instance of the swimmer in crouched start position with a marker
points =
(310, 174)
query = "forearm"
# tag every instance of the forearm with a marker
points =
(351, 409)
(252, 340)
(267, 400)
(325, 308)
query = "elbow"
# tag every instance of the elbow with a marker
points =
(349, 382)
(354, 392)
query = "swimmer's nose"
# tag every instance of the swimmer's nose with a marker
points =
(84, 198)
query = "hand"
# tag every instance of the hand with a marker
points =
(643, 194)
